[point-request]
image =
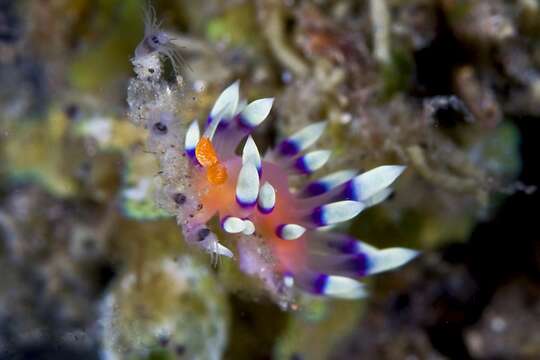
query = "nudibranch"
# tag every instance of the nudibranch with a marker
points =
(251, 195)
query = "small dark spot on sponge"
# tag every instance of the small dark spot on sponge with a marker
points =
(163, 341)
(202, 234)
(71, 111)
(179, 198)
(180, 349)
(160, 128)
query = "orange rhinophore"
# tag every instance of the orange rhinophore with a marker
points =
(205, 153)
(216, 173)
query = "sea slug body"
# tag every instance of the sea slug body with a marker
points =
(251, 196)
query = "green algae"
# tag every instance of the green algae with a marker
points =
(397, 74)
(104, 60)
(237, 26)
(316, 326)
(140, 184)
(35, 151)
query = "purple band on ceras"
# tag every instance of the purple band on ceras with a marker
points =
(357, 264)
(264, 210)
(224, 123)
(244, 124)
(245, 205)
(315, 188)
(349, 191)
(317, 216)
(319, 284)
(349, 246)
(279, 230)
(191, 153)
(301, 165)
(288, 148)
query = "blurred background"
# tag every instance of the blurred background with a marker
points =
(91, 268)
